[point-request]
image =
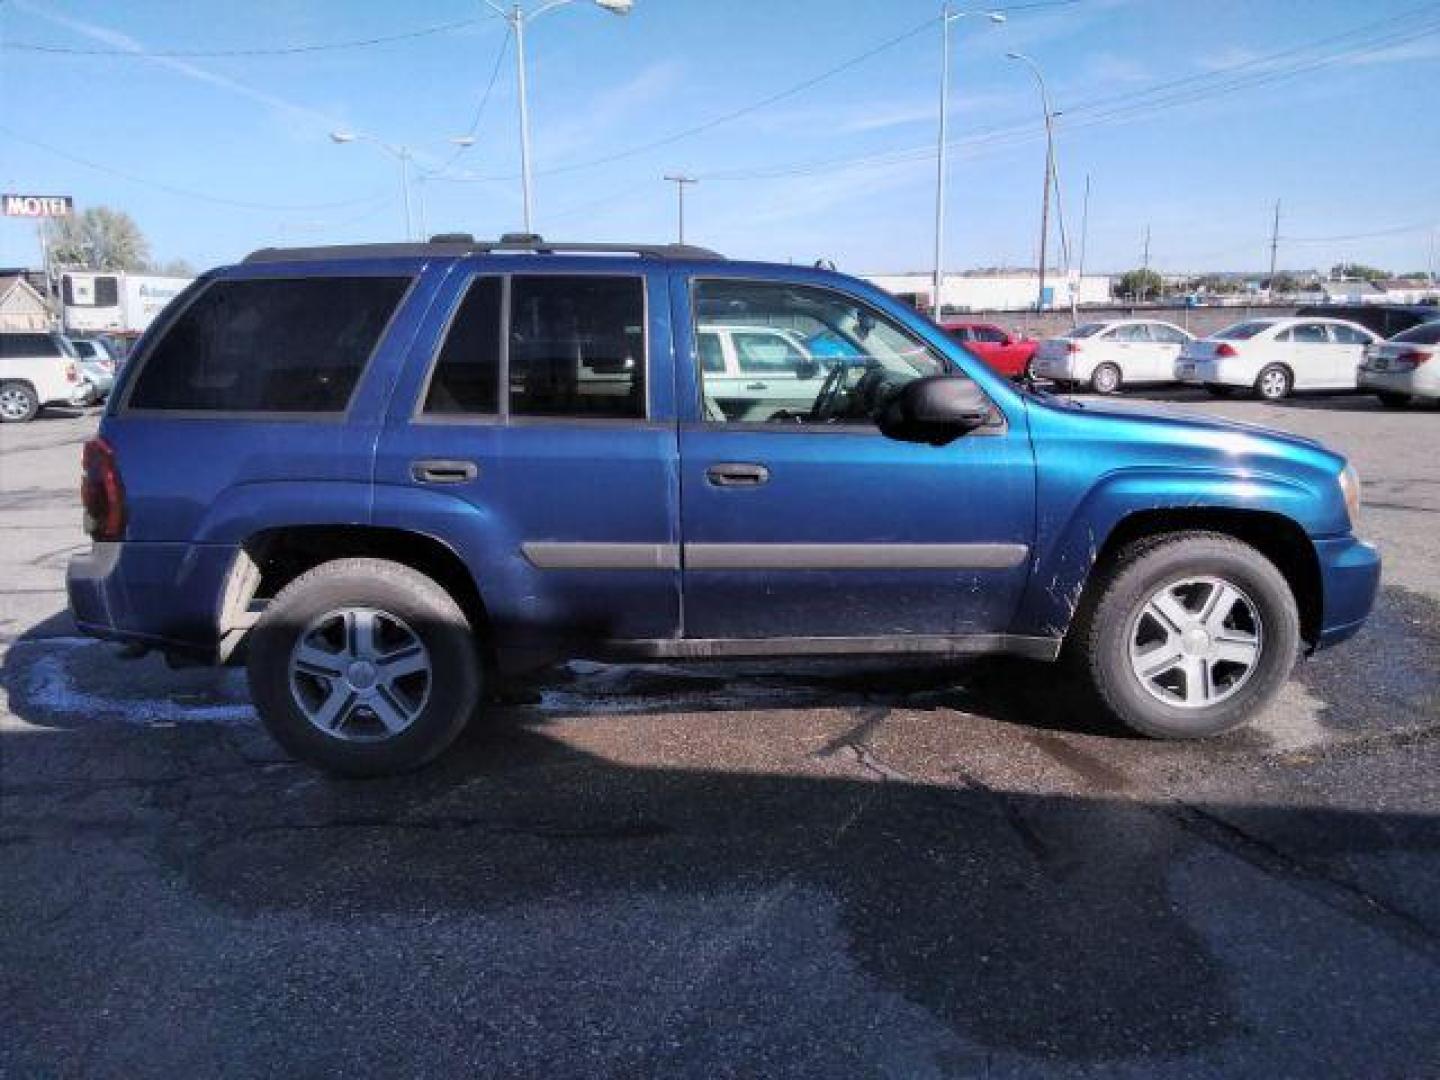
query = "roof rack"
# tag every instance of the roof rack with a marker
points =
(458, 244)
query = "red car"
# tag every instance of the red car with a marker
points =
(1008, 355)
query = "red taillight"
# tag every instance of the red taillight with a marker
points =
(72, 373)
(1072, 347)
(101, 492)
(1226, 349)
(1415, 357)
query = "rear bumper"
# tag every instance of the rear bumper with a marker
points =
(1350, 579)
(1421, 382)
(165, 595)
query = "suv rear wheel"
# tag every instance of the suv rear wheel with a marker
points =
(364, 667)
(1191, 634)
(18, 403)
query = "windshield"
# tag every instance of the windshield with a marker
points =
(1241, 331)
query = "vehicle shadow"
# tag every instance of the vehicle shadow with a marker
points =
(1077, 929)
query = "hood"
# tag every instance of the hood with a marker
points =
(1177, 416)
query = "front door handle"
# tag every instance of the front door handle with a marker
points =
(737, 474)
(443, 471)
(757, 386)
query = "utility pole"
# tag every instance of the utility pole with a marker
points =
(1145, 266)
(680, 180)
(1274, 247)
(1084, 225)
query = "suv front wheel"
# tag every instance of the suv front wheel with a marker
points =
(1190, 635)
(364, 667)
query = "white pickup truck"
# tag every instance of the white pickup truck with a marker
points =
(38, 369)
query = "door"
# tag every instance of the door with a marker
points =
(1349, 350)
(1140, 356)
(524, 435)
(1312, 356)
(816, 525)
(1168, 341)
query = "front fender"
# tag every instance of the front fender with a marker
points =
(1069, 543)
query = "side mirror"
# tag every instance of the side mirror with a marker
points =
(937, 409)
(808, 368)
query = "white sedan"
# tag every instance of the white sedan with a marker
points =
(1275, 357)
(1108, 355)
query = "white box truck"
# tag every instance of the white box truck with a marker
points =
(96, 302)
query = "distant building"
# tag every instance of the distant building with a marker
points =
(1352, 292)
(998, 291)
(21, 305)
(1410, 291)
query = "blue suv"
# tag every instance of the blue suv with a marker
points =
(385, 475)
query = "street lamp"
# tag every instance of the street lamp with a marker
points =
(403, 155)
(680, 180)
(518, 19)
(1049, 165)
(947, 16)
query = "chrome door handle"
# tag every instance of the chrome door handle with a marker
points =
(737, 474)
(443, 471)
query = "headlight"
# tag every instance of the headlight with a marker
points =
(1350, 488)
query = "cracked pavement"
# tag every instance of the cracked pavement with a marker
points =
(820, 868)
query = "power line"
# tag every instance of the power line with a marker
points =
(479, 112)
(1134, 104)
(279, 50)
(763, 103)
(172, 189)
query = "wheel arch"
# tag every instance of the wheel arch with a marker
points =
(270, 559)
(1279, 538)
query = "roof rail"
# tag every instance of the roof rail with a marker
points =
(458, 244)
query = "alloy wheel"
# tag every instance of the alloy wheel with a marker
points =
(360, 675)
(1195, 642)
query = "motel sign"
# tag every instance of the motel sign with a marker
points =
(37, 206)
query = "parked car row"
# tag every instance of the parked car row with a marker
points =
(1271, 358)
(39, 369)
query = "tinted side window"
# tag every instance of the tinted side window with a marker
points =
(1348, 335)
(990, 335)
(467, 372)
(28, 345)
(577, 346)
(269, 345)
(1166, 334)
(1310, 334)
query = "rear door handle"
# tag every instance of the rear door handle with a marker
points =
(757, 386)
(443, 471)
(737, 474)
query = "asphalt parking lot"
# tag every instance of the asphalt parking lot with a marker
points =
(836, 869)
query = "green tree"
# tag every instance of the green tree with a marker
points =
(100, 238)
(1140, 284)
(1358, 272)
(1284, 283)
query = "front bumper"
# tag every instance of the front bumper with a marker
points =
(1349, 580)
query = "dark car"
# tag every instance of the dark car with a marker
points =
(1387, 320)
(385, 475)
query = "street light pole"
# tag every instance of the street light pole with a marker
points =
(518, 19)
(680, 180)
(403, 155)
(1049, 168)
(947, 16)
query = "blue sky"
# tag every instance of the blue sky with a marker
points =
(1330, 108)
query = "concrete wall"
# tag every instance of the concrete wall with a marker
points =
(1199, 321)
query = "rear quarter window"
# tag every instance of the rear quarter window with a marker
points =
(1424, 334)
(269, 345)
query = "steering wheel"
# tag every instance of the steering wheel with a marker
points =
(827, 401)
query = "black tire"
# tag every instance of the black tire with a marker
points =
(1098, 647)
(1274, 383)
(1392, 400)
(1106, 379)
(1217, 391)
(19, 404)
(394, 592)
